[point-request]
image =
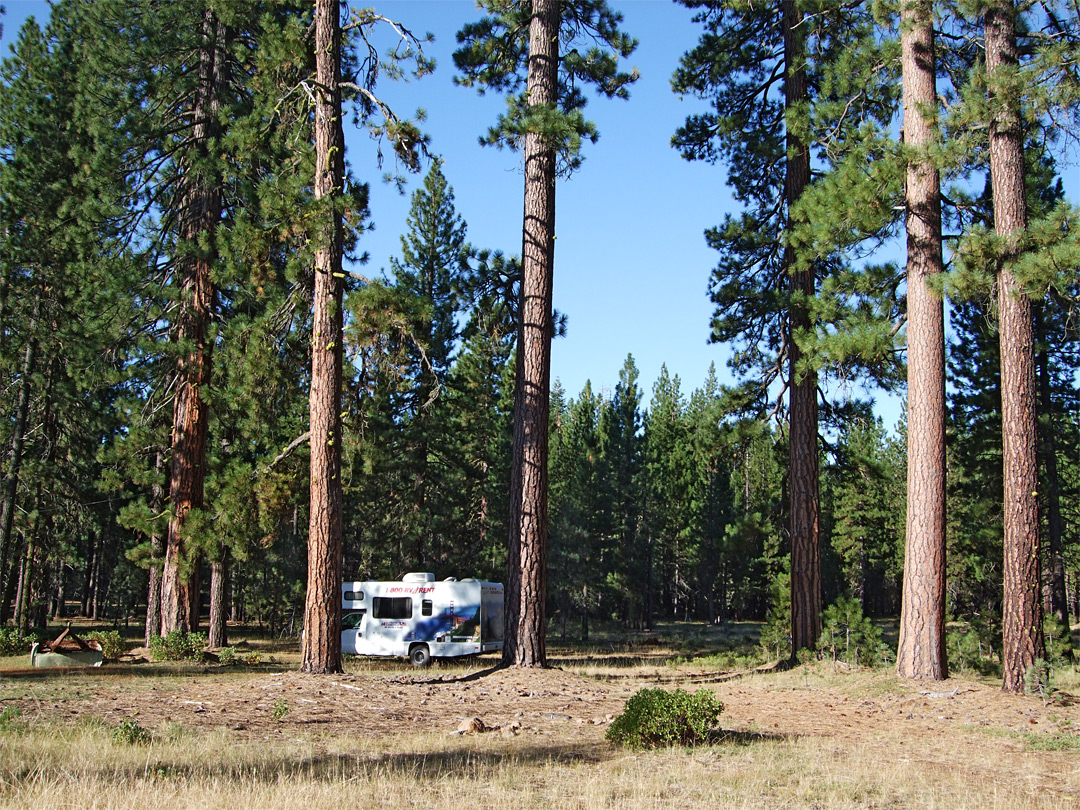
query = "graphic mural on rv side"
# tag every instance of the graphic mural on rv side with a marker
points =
(395, 615)
(457, 624)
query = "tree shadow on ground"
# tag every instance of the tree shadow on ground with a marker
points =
(140, 669)
(473, 765)
(614, 661)
(723, 736)
(678, 677)
(1066, 699)
(469, 764)
(467, 677)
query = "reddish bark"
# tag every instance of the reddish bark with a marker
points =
(200, 212)
(921, 652)
(321, 649)
(1022, 605)
(524, 643)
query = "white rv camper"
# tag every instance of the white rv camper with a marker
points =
(421, 618)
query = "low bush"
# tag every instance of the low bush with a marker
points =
(12, 642)
(129, 732)
(656, 718)
(112, 645)
(1057, 638)
(178, 646)
(230, 656)
(1039, 680)
(775, 638)
(973, 647)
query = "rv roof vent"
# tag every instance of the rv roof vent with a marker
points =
(450, 579)
(418, 577)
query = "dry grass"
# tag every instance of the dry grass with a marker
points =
(819, 736)
(51, 768)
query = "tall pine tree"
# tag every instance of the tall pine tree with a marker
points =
(527, 49)
(921, 651)
(321, 652)
(755, 64)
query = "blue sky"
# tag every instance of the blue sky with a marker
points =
(631, 265)
(631, 262)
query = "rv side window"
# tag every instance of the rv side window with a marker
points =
(391, 607)
(425, 607)
(353, 596)
(351, 621)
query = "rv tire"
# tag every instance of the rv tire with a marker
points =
(420, 655)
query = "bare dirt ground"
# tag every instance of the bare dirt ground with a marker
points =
(817, 700)
(256, 705)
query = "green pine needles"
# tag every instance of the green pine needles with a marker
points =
(850, 637)
(494, 53)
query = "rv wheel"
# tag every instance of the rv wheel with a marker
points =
(420, 656)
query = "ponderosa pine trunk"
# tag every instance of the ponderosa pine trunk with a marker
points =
(8, 546)
(88, 574)
(22, 595)
(200, 213)
(96, 591)
(1059, 601)
(524, 642)
(157, 551)
(59, 613)
(803, 414)
(219, 579)
(1022, 629)
(921, 652)
(321, 649)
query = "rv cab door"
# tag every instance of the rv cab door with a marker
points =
(352, 632)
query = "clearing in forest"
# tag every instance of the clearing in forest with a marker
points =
(820, 735)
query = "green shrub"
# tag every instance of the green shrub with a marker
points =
(279, 709)
(251, 659)
(656, 718)
(1039, 680)
(1058, 642)
(112, 645)
(12, 642)
(227, 656)
(178, 646)
(971, 647)
(850, 637)
(775, 636)
(129, 732)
